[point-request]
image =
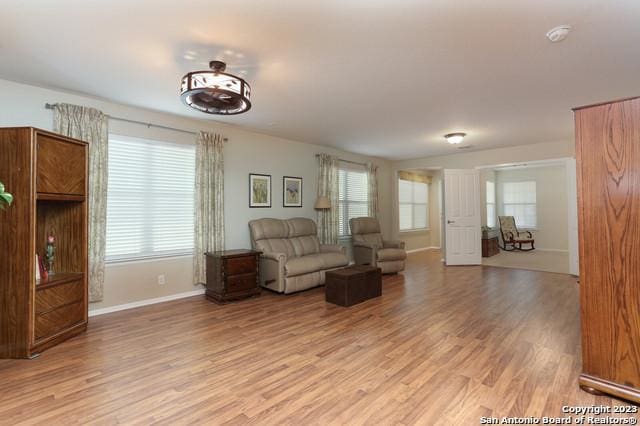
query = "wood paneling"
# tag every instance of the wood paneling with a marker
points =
(441, 346)
(608, 159)
(16, 243)
(60, 166)
(66, 221)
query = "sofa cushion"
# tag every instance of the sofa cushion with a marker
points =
(303, 265)
(332, 260)
(391, 254)
(276, 245)
(306, 244)
(299, 226)
(262, 229)
(364, 225)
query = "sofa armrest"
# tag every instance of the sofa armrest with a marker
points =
(393, 244)
(332, 248)
(278, 257)
(272, 271)
(365, 254)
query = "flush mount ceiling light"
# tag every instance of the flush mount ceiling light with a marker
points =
(216, 92)
(558, 34)
(455, 138)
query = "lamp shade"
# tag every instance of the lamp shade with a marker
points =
(322, 203)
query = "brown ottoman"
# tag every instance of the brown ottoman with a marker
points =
(354, 284)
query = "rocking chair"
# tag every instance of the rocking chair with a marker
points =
(512, 239)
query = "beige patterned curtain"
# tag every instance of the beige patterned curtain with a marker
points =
(209, 201)
(91, 126)
(328, 187)
(372, 179)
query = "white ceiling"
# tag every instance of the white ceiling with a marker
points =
(378, 77)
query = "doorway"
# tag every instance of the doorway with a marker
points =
(540, 196)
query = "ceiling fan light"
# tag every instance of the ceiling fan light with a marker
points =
(215, 91)
(455, 138)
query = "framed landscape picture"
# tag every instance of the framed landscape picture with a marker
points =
(291, 191)
(259, 190)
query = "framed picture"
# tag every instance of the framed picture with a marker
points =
(259, 190)
(291, 191)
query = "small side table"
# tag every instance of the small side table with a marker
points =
(232, 275)
(490, 246)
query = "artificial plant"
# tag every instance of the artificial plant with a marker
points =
(5, 198)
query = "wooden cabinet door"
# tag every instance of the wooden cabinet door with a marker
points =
(60, 166)
(608, 158)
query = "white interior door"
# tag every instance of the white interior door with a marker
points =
(572, 198)
(462, 217)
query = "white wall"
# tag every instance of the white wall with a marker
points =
(246, 152)
(551, 203)
(490, 157)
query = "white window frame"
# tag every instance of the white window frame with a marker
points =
(148, 254)
(492, 218)
(343, 219)
(414, 204)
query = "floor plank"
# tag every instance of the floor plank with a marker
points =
(441, 346)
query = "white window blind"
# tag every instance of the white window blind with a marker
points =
(519, 201)
(491, 204)
(353, 195)
(413, 205)
(150, 199)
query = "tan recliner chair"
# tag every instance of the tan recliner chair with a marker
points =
(370, 249)
(292, 257)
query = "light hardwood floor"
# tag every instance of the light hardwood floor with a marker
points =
(441, 346)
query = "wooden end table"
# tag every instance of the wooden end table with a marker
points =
(232, 275)
(353, 284)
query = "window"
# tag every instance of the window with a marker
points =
(491, 204)
(413, 204)
(150, 199)
(519, 201)
(353, 196)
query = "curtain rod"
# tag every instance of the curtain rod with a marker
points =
(348, 161)
(158, 126)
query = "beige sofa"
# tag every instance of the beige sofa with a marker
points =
(292, 257)
(370, 249)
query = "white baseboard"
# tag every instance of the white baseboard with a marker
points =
(110, 309)
(422, 249)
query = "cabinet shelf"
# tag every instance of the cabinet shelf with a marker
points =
(58, 278)
(59, 197)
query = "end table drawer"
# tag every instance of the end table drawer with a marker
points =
(242, 282)
(48, 299)
(50, 323)
(240, 265)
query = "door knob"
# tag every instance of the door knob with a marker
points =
(451, 221)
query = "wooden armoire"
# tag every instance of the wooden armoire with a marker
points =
(47, 175)
(608, 170)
